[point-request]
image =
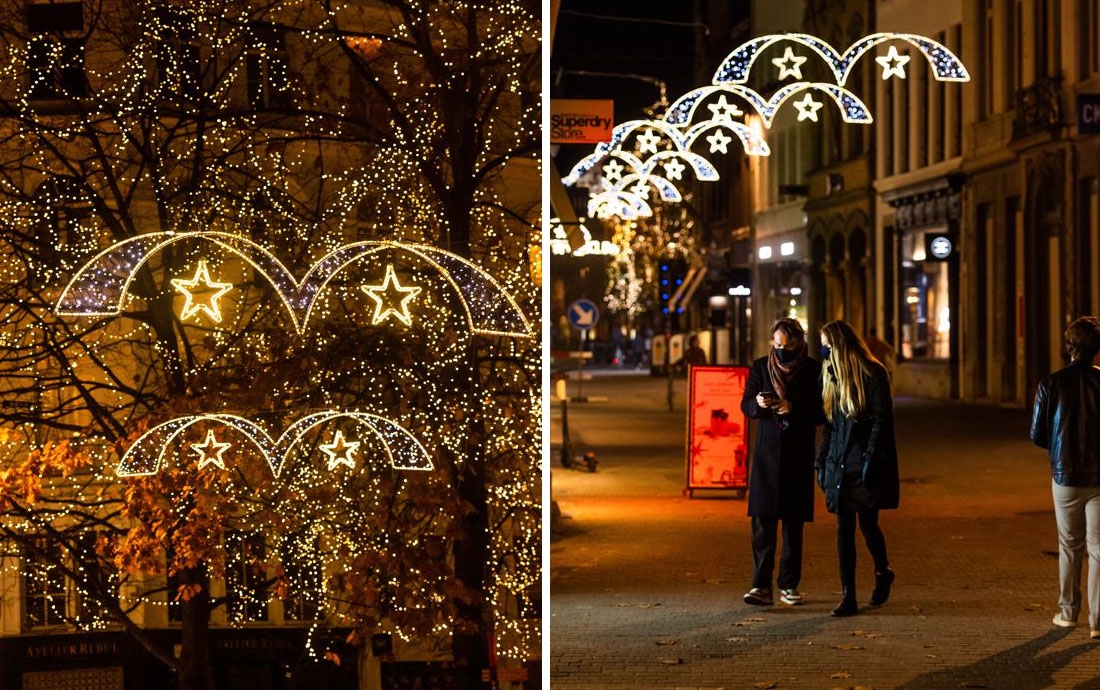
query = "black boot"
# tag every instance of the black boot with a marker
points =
(881, 593)
(847, 605)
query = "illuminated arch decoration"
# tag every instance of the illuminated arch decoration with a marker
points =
(100, 286)
(683, 111)
(613, 198)
(147, 454)
(946, 66)
(682, 142)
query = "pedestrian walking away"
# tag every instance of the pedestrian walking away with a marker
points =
(857, 465)
(1066, 421)
(783, 394)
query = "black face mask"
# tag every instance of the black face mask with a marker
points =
(785, 356)
(825, 352)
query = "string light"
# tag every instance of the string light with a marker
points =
(210, 305)
(210, 451)
(384, 298)
(274, 189)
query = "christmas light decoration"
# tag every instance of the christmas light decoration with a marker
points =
(789, 65)
(148, 454)
(340, 452)
(681, 127)
(852, 109)
(736, 66)
(807, 108)
(269, 138)
(100, 286)
(386, 303)
(201, 280)
(893, 64)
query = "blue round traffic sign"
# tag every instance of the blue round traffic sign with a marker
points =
(583, 314)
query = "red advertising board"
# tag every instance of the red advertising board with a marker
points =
(717, 431)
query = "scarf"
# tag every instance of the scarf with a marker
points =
(780, 374)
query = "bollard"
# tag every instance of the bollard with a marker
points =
(566, 444)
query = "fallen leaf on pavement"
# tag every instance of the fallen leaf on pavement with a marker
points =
(671, 662)
(755, 619)
(973, 684)
(1033, 607)
(766, 685)
(841, 674)
(847, 647)
(667, 642)
(736, 639)
(864, 633)
(916, 608)
(640, 606)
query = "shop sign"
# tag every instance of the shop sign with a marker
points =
(581, 121)
(939, 246)
(1088, 113)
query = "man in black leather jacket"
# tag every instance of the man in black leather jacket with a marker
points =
(1066, 421)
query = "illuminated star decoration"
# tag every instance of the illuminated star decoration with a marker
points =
(724, 110)
(795, 69)
(210, 451)
(807, 108)
(101, 286)
(893, 63)
(648, 142)
(718, 141)
(641, 189)
(613, 170)
(340, 452)
(210, 304)
(674, 169)
(385, 298)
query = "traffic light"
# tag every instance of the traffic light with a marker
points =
(670, 277)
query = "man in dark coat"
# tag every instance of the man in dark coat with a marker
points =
(783, 394)
(1066, 421)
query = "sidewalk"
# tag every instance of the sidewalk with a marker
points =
(646, 584)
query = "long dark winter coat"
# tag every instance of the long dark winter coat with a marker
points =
(781, 481)
(858, 461)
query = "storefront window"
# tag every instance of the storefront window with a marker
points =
(925, 296)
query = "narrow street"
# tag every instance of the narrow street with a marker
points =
(646, 584)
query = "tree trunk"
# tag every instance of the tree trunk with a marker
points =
(194, 663)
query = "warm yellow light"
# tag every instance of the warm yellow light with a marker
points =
(385, 299)
(202, 281)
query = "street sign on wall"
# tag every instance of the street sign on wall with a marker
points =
(717, 433)
(581, 121)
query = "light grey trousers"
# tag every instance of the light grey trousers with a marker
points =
(1077, 509)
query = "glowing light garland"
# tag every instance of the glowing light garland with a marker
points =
(340, 452)
(614, 198)
(210, 451)
(736, 66)
(101, 285)
(258, 181)
(210, 305)
(384, 298)
(148, 453)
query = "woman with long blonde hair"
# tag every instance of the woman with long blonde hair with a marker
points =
(857, 464)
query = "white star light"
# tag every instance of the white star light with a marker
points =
(795, 70)
(648, 142)
(641, 189)
(613, 170)
(719, 141)
(674, 169)
(807, 108)
(385, 299)
(340, 452)
(188, 288)
(893, 63)
(210, 451)
(724, 110)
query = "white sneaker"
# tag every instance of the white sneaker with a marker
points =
(1063, 622)
(791, 597)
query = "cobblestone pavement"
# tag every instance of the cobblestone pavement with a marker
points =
(646, 584)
